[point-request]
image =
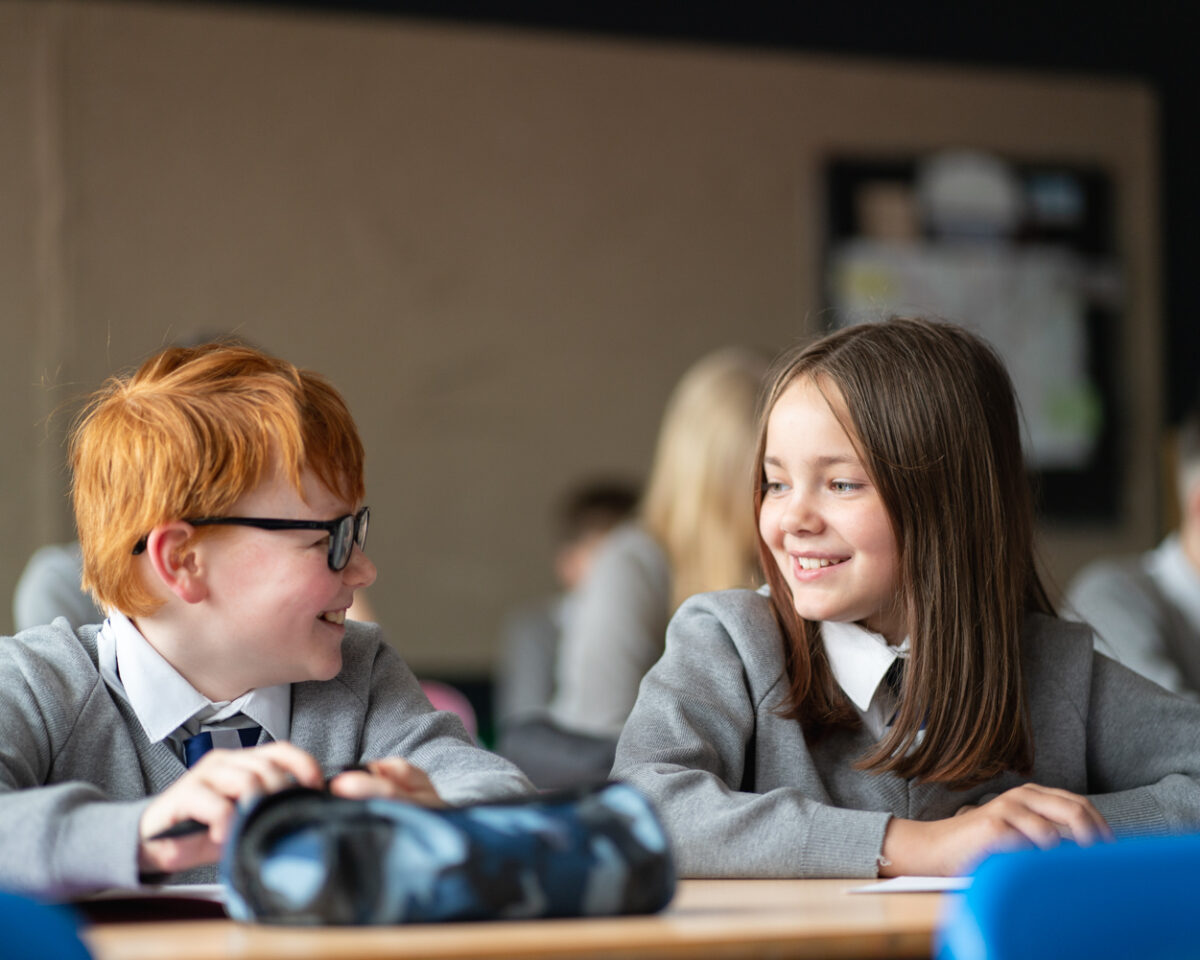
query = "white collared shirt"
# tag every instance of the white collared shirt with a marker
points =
(1177, 578)
(860, 659)
(166, 705)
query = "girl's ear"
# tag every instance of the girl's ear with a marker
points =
(173, 557)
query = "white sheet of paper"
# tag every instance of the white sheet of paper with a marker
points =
(187, 891)
(915, 885)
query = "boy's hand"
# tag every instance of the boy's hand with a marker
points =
(389, 777)
(209, 792)
(1026, 816)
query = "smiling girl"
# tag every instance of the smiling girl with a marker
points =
(899, 698)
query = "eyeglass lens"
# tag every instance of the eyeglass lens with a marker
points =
(352, 530)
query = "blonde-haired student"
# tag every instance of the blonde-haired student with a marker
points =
(218, 499)
(692, 532)
(900, 698)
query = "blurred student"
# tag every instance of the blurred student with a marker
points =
(694, 532)
(1145, 609)
(218, 499)
(531, 636)
(50, 586)
(51, 583)
(442, 696)
(900, 698)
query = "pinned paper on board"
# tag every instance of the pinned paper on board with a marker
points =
(1020, 253)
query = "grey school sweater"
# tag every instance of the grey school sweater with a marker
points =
(76, 768)
(744, 794)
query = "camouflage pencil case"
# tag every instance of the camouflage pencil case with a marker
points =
(307, 857)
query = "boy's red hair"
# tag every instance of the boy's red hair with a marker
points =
(189, 433)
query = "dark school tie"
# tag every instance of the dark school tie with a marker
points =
(196, 747)
(894, 679)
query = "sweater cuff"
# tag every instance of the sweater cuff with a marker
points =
(1131, 813)
(844, 843)
(97, 846)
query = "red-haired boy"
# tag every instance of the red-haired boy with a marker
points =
(218, 500)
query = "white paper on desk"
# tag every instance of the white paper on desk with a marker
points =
(213, 892)
(915, 885)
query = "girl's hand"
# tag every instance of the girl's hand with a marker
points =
(1026, 816)
(209, 793)
(389, 777)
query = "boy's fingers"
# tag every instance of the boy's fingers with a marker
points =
(387, 777)
(299, 763)
(359, 785)
(209, 791)
(398, 770)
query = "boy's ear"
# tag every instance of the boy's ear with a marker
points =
(172, 553)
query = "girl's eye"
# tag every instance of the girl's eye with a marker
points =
(773, 488)
(845, 486)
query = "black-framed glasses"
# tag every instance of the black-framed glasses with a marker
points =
(344, 532)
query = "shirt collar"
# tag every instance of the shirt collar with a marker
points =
(163, 700)
(859, 659)
(1177, 578)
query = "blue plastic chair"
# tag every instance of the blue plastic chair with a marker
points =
(1133, 898)
(34, 931)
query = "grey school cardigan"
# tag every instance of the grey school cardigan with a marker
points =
(76, 768)
(744, 794)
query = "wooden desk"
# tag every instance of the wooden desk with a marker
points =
(708, 918)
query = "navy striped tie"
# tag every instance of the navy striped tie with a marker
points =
(196, 747)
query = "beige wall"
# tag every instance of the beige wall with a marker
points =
(503, 246)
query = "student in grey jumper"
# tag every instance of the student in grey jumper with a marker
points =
(217, 495)
(1145, 608)
(49, 588)
(900, 698)
(691, 535)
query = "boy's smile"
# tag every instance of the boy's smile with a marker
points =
(823, 519)
(272, 610)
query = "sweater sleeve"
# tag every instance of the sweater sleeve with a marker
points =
(1129, 623)
(688, 745)
(1143, 753)
(613, 636)
(66, 837)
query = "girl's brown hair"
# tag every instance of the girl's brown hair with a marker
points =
(933, 413)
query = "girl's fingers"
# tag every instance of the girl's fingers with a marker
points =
(1048, 814)
(1082, 821)
(1035, 828)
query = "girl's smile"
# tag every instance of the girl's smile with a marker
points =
(822, 518)
(813, 564)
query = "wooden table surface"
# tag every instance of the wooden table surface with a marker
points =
(708, 918)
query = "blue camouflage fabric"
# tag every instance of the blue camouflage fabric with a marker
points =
(307, 857)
